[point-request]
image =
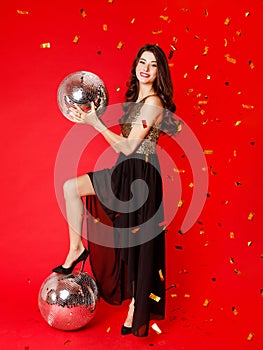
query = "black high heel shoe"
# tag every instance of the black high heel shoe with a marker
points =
(126, 330)
(67, 270)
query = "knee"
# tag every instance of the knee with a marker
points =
(70, 188)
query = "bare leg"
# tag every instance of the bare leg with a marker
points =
(129, 318)
(74, 189)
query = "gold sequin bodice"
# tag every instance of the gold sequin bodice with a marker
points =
(148, 145)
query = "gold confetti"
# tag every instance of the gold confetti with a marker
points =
(206, 244)
(204, 121)
(205, 50)
(202, 112)
(196, 67)
(110, 1)
(261, 292)
(105, 27)
(161, 275)
(238, 122)
(227, 21)
(191, 185)
(185, 75)
(76, 39)
(206, 12)
(45, 45)
(155, 32)
(247, 106)
(117, 88)
(136, 229)
(178, 170)
(230, 59)
(165, 18)
(132, 21)
(202, 102)
(251, 216)
(22, 12)
(231, 260)
(156, 328)
(238, 33)
(235, 153)
(208, 77)
(202, 232)
(189, 91)
(120, 45)
(174, 295)
(171, 65)
(187, 295)
(180, 203)
(154, 297)
(183, 9)
(247, 14)
(108, 330)
(237, 272)
(250, 336)
(232, 235)
(96, 220)
(208, 151)
(83, 13)
(249, 243)
(234, 310)
(225, 42)
(206, 302)
(238, 183)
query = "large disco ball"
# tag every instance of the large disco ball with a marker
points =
(82, 88)
(68, 302)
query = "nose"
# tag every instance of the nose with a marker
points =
(146, 67)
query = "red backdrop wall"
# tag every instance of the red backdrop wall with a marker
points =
(214, 271)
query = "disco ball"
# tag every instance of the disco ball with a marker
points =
(68, 302)
(82, 88)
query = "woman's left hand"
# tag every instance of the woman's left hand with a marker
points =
(80, 116)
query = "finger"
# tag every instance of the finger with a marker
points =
(92, 107)
(77, 108)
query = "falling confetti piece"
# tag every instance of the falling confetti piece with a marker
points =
(156, 328)
(191, 185)
(206, 302)
(185, 75)
(247, 14)
(247, 106)
(202, 111)
(203, 102)
(45, 45)
(76, 39)
(178, 170)
(225, 42)
(22, 12)
(261, 292)
(180, 203)
(250, 336)
(230, 59)
(120, 45)
(204, 121)
(189, 91)
(161, 275)
(208, 77)
(238, 33)
(105, 27)
(83, 13)
(117, 88)
(231, 260)
(96, 220)
(227, 21)
(154, 297)
(108, 330)
(179, 247)
(232, 235)
(251, 216)
(132, 21)
(234, 310)
(67, 342)
(110, 1)
(144, 123)
(206, 12)
(235, 153)
(238, 122)
(237, 272)
(165, 18)
(155, 32)
(28, 281)
(174, 295)
(205, 50)
(208, 151)
(249, 243)
(206, 244)
(238, 183)
(196, 67)
(135, 230)
(187, 295)
(183, 9)
(201, 232)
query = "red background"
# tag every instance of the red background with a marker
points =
(221, 256)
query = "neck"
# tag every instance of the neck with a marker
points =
(145, 91)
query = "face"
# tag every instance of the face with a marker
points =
(146, 69)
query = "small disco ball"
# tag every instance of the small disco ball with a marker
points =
(68, 302)
(82, 88)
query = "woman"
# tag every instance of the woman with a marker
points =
(135, 267)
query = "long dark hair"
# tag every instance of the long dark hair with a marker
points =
(163, 87)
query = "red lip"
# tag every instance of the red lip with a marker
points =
(144, 75)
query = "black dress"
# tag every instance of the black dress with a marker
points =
(125, 235)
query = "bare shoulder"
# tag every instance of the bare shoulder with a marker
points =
(154, 100)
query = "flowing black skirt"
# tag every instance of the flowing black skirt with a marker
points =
(126, 237)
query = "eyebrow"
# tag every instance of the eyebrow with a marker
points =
(146, 60)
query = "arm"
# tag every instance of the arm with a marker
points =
(151, 111)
